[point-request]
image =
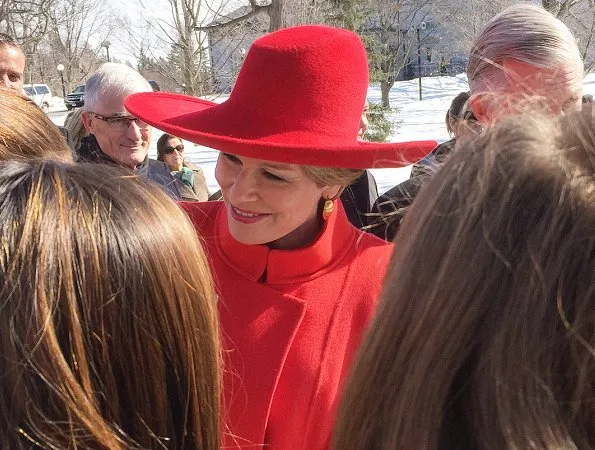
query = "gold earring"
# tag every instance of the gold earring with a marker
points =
(329, 206)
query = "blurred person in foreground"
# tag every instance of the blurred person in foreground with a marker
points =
(26, 132)
(388, 211)
(485, 334)
(12, 64)
(116, 137)
(109, 330)
(189, 177)
(524, 60)
(297, 282)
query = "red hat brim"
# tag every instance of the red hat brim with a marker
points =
(212, 125)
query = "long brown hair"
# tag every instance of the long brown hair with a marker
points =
(108, 324)
(26, 132)
(485, 334)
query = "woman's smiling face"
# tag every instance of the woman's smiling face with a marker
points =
(270, 203)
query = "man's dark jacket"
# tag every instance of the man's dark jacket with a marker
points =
(390, 208)
(156, 171)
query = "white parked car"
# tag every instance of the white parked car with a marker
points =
(40, 94)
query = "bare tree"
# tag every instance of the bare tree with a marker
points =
(275, 10)
(78, 31)
(25, 20)
(579, 16)
(28, 22)
(179, 53)
(466, 18)
(393, 29)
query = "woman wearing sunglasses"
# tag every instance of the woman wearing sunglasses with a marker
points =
(190, 178)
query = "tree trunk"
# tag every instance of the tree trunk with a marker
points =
(276, 15)
(385, 89)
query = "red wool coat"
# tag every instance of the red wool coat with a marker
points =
(291, 322)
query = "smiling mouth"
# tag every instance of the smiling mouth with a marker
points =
(244, 213)
(241, 215)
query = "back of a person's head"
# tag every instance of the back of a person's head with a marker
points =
(109, 332)
(457, 105)
(525, 33)
(485, 333)
(26, 131)
(113, 79)
(456, 110)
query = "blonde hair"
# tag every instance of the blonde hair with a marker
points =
(328, 176)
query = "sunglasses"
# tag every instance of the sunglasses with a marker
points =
(179, 148)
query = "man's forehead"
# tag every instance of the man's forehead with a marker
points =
(112, 104)
(12, 56)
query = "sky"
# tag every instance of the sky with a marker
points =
(414, 120)
(135, 13)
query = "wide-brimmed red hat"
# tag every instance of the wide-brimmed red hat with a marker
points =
(298, 99)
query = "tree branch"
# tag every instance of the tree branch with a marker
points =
(255, 9)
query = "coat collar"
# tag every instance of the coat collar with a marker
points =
(258, 262)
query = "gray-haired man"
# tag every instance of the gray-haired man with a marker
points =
(114, 135)
(523, 61)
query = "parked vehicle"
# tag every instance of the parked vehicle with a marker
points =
(40, 94)
(154, 85)
(76, 98)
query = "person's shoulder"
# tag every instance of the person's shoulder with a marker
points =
(193, 167)
(155, 163)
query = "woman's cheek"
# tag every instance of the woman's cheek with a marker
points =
(222, 173)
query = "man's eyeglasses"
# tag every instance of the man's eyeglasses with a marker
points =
(179, 148)
(121, 123)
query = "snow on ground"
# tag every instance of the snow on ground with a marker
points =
(415, 120)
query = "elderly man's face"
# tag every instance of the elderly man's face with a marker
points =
(12, 67)
(531, 89)
(123, 140)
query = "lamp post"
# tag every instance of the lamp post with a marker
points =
(106, 44)
(60, 68)
(422, 26)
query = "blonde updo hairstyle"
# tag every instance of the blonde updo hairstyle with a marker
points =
(329, 176)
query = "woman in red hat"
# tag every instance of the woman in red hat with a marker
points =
(297, 283)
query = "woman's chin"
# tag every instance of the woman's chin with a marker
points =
(249, 234)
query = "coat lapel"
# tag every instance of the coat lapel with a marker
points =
(259, 329)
